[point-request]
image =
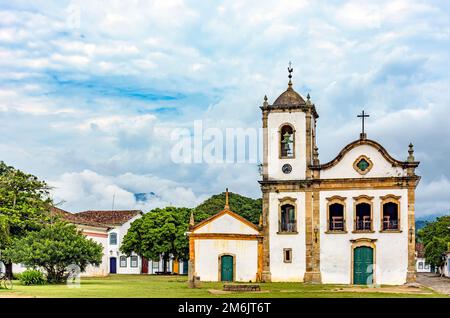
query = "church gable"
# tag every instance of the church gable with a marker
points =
(363, 159)
(226, 222)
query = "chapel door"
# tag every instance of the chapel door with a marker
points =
(112, 265)
(363, 266)
(227, 268)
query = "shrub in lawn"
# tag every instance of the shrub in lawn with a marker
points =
(16, 276)
(32, 277)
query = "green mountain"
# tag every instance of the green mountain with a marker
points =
(246, 207)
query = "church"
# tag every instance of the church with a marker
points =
(347, 221)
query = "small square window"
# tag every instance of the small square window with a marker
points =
(420, 265)
(134, 261)
(287, 252)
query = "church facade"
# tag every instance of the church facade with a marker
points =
(347, 221)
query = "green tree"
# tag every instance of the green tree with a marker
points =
(24, 206)
(54, 248)
(246, 207)
(435, 237)
(159, 232)
(434, 251)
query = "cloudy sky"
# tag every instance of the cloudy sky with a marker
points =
(90, 91)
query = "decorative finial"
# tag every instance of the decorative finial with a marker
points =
(316, 155)
(308, 97)
(290, 70)
(227, 206)
(265, 101)
(411, 153)
(191, 219)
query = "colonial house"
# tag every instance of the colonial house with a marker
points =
(421, 264)
(109, 228)
(347, 221)
(118, 222)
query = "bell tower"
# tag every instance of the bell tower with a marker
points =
(289, 140)
(289, 149)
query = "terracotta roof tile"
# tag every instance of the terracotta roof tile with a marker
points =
(74, 218)
(420, 250)
(117, 217)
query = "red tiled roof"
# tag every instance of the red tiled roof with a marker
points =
(74, 218)
(117, 217)
(420, 250)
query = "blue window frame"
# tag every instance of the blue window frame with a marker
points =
(113, 239)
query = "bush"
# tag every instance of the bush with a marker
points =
(32, 277)
(16, 276)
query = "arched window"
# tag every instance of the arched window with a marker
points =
(390, 218)
(287, 141)
(336, 214)
(363, 213)
(288, 222)
(336, 217)
(113, 239)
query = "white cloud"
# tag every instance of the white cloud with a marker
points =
(90, 190)
(88, 98)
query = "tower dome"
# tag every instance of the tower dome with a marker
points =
(289, 97)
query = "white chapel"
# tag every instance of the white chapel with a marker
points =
(347, 221)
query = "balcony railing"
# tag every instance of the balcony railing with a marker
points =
(390, 225)
(337, 224)
(363, 225)
(288, 227)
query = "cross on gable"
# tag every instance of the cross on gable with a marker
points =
(363, 116)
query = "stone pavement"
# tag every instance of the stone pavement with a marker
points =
(439, 284)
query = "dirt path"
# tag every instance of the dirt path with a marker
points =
(439, 284)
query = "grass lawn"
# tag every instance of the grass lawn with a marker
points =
(123, 286)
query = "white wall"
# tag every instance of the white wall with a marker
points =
(344, 168)
(275, 120)
(226, 224)
(447, 266)
(101, 238)
(391, 248)
(295, 270)
(207, 258)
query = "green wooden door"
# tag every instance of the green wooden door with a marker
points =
(363, 265)
(227, 268)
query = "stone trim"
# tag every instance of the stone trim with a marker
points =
(223, 212)
(220, 265)
(260, 260)
(266, 276)
(284, 255)
(411, 274)
(340, 184)
(280, 138)
(336, 199)
(363, 242)
(358, 200)
(359, 142)
(225, 236)
(390, 198)
(355, 165)
(283, 201)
